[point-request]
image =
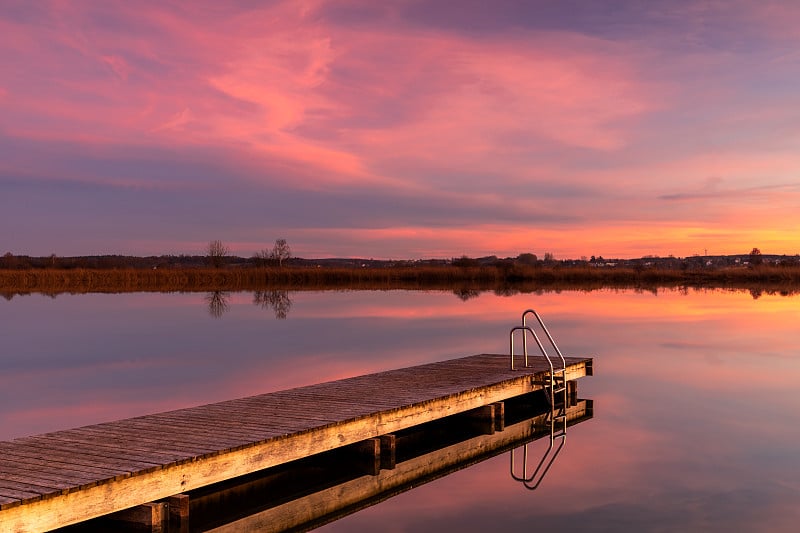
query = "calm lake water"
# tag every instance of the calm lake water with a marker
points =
(696, 423)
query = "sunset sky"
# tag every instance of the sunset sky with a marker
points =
(400, 129)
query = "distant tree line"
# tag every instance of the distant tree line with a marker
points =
(217, 255)
(279, 253)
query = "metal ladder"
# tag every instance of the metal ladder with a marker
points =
(556, 381)
(555, 388)
(557, 421)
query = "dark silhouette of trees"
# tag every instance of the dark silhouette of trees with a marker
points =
(8, 261)
(755, 257)
(217, 252)
(465, 262)
(280, 252)
(262, 258)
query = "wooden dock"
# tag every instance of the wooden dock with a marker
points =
(57, 479)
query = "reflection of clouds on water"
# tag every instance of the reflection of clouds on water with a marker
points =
(279, 301)
(218, 303)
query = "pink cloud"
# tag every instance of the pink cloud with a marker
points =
(118, 65)
(276, 65)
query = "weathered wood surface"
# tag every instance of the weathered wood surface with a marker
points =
(56, 479)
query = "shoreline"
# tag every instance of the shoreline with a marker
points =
(52, 281)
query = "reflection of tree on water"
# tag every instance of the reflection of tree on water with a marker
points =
(217, 303)
(465, 293)
(506, 291)
(279, 301)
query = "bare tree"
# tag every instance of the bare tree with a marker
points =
(217, 252)
(281, 252)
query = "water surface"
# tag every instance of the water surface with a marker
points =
(696, 423)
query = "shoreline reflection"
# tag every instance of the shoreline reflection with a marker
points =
(278, 300)
(218, 303)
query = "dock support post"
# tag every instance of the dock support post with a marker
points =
(499, 416)
(482, 418)
(376, 453)
(369, 452)
(388, 451)
(178, 513)
(572, 393)
(146, 515)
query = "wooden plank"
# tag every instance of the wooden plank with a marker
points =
(66, 459)
(258, 413)
(79, 454)
(48, 464)
(119, 448)
(10, 498)
(33, 488)
(214, 421)
(148, 437)
(47, 477)
(163, 450)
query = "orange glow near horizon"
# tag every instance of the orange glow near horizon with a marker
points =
(613, 241)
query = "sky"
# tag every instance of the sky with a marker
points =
(400, 129)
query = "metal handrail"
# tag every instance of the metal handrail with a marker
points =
(525, 330)
(563, 369)
(546, 332)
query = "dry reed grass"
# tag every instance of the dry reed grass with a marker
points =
(517, 278)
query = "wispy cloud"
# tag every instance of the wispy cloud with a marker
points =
(712, 190)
